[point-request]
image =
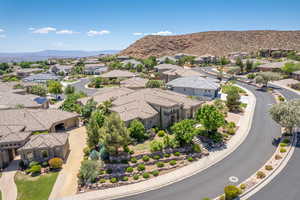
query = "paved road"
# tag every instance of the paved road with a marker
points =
(286, 184)
(80, 86)
(242, 163)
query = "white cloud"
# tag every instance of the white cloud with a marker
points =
(58, 44)
(44, 30)
(31, 28)
(92, 33)
(137, 33)
(162, 33)
(1, 30)
(2, 36)
(66, 32)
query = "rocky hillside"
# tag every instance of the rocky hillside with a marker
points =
(214, 42)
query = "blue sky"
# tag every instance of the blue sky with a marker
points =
(32, 25)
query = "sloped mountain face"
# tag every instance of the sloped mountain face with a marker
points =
(219, 43)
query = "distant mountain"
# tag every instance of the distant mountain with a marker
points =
(219, 43)
(44, 55)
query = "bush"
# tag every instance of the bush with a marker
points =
(102, 180)
(113, 180)
(125, 178)
(167, 155)
(33, 163)
(133, 160)
(146, 158)
(156, 146)
(282, 150)
(278, 157)
(160, 164)
(222, 197)
(156, 157)
(243, 186)
(36, 169)
(131, 152)
(146, 175)
(231, 131)
(129, 169)
(55, 163)
(281, 98)
(177, 153)
(141, 167)
(190, 159)
(268, 167)
(109, 171)
(22, 165)
(45, 164)
(173, 162)
(196, 148)
(101, 172)
(161, 133)
(283, 144)
(136, 177)
(155, 173)
(206, 198)
(86, 151)
(286, 141)
(231, 192)
(260, 175)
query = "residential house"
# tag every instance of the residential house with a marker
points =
(24, 72)
(207, 58)
(132, 62)
(134, 83)
(296, 75)
(196, 86)
(61, 69)
(165, 67)
(121, 74)
(272, 66)
(181, 55)
(122, 58)
(163, 59)
(42, 78)
(235, 55)
(95, 69)
(179, 72)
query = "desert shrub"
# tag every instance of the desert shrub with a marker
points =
(280, 98)
(231, 192)
(160, 164)
(101, 172)
(222, 197)
(109, 171)
(286, 141)
(206, 198)
(125, 178)
(268, 167)
(282, 150)
(55, 163)
(156, 157)
(36, 169)
(113, 180)
(260, 175)
(278, 157)
(155, 173)
(133, 160)
(136, 177)
(190, 159)
(173, 162)
(146, 158)
(156, 145)
(177, 153)
(131, 152)
(243, 186)
(146, 175)
(22, 164)
(141, 167)
(283, 144)
(161, 133)
(102, 180)
(167, 155)
(231, 131)
(33, 163)
(129, 169)
(86, 151)
(45, 164)
(196, 148)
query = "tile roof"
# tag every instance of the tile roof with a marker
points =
(134, 82)
(118, 74)
(167, 66)
(194, 82)
(11, 100)
(182, 72)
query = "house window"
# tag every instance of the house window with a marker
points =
(45, 154)
(29, 156)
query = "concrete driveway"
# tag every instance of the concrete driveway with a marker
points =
(7, 181)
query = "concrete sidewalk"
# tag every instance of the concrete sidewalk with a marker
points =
(7, 181)
(66, 182)
(181, 173)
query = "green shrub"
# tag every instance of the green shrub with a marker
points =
(133, 160)
(231, 131)
(161, 133)
(173, 162)
(156, 157)
(243, 186)
(206, 198)
(129, 169)
(136, 177)
(102, 180)
(286, 141)
(268, 167)
(155, 173)
(177, 153)
(260, 175)
(146, 175)
(278, 157)
(33, 163)
(196, 148)
(131, 152)
(36, 169)
(167, 155)
(113, 180)
(283, 144)
(125, 178)
(222, 197)
(231, 192)
(109, 171)
(86, 151)
(282, 150)
(190, 159)
(45, 164)
(55, 163)
(160, 164)
(141, 167)
(146, 158)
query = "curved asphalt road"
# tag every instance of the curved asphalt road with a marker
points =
(242, 163)
(286, 185)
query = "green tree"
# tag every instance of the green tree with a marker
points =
(78, 68)
(137, 130)
(93, 127)
(39, 90)
(224, 61)
(240, 63)
(231, 192)
(287, 114)
(69, 89)
(70, 104)
(184, 131)
(154, 84)
(265, 77)
(55, 87)
(233, 99)
(210, 117)
(97, 82)
(89, 171)
(290, 67)
(88, 108)
(114, 134)
(249, 66)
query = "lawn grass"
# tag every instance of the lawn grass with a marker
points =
(34, 188)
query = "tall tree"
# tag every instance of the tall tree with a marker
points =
(184, 131)
(137, 130)
(93, 128)
(210, 117)
(265, 77)
(249, 66)
(240, 63)
(88, 108)
(233, 99)
(114, 134)
(55, 87)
